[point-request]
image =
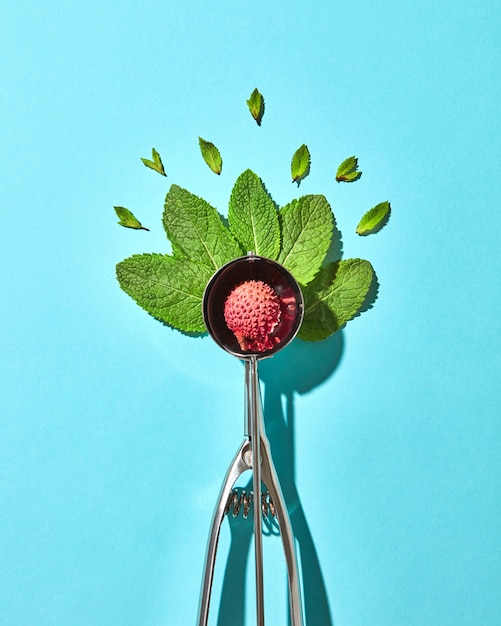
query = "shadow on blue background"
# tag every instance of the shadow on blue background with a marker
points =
(284, 375)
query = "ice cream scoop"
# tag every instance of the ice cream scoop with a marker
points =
(252, 306)
(252, 312)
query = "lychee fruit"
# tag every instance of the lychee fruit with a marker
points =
(252, 313)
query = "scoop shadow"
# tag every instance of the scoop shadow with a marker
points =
(299, 368)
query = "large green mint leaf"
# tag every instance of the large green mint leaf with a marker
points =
(196, 230)
(170, 289)
(374, 219)
(252, 216)
(307, 225)
(335, 297)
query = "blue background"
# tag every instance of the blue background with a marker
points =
(115, 432)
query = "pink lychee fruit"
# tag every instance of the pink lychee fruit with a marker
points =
(252, 312)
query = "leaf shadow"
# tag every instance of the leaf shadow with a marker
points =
(335, 250)
(186, 333)
(299, 369)
(232, 603)
(371, 296)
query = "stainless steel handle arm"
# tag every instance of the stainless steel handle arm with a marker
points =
(266, 473)
(240, 464)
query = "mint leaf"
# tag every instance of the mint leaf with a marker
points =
(334, 297)
(196, 231)
(127, 219)
(300, 164)
(211, 155)
(374, 219)
(256, 106)
(170, 289)
(252, 216)
(156, 164)
(307, 225)
(347, 171)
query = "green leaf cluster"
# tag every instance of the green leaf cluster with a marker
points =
(298, 235)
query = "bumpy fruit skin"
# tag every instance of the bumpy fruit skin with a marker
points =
(252, 312)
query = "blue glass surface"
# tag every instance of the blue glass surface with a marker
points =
(115, 431)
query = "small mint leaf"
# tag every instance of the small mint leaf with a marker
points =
(256, 106)
(196, 230)
(349, 178)
(211, 155)
(156, 164)
(127, 219)
(252, 216)
(300, 164)
(334, 297)
(170, 289)
(348, 172)
(307, 225)
(374, 219)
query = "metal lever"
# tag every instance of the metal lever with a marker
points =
(254, 447)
